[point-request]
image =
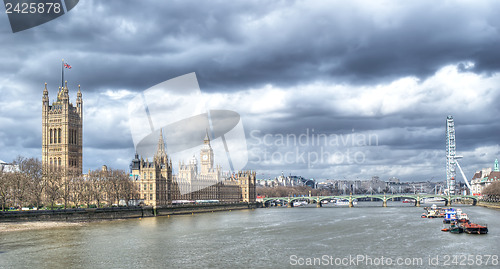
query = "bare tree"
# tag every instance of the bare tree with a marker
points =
(32, 167)
(81, 193)
(492, 189)
(53, 185)
(128, 188)
(97, 186)
(5, 189)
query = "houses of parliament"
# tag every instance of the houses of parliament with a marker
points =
(62, 125)
(158, 186)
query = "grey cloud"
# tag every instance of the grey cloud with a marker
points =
(242, 45)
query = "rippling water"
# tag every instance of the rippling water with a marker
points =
(272, 238)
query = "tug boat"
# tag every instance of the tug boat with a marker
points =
(474, 228)
(456, 228)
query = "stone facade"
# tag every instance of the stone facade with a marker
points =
(157, 186)
(484, 178)
(153, 179)
(62, 131)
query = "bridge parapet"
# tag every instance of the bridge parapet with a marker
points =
(384, 198)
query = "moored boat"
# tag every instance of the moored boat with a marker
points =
(345, 202)
(299, 203)
(474, 228)
(450, 215)
(456, 229)
(462, 217)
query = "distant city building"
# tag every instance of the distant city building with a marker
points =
(393, 180)
(158, 186)
(8, 167)
(375, 185)
(287, 181)
(484, 178)
(62, 131)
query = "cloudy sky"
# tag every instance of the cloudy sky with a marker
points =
(371, 81)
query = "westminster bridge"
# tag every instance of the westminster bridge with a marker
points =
(417, 198)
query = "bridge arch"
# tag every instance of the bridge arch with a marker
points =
(381, 198)
(416, 197)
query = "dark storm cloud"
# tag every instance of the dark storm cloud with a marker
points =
(239, 46)
(247, 44)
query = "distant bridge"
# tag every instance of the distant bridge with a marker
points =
(382, 197)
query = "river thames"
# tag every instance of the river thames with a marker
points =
(365, 236)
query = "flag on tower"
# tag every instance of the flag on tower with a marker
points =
(63, 66)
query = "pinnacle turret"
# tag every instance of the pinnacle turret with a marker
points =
(79, 94)
(160, 152)
(45, 97)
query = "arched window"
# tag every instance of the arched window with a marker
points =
(59, 158)
(59, 136)
(50, 131)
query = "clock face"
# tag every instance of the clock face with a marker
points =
(205, 157)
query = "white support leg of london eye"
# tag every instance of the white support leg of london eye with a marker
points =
(463, 175)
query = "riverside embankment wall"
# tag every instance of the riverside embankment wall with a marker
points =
(89, 214)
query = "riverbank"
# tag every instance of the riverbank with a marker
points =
(489, 205)
(38, 225)
(93, 214)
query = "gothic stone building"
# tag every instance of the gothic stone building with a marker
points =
(157, 186)
(62, 131)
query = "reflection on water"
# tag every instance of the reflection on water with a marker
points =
(257, 238)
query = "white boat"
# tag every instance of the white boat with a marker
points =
(299, 203)
(462, 217)
(432, 200)
(345, 202)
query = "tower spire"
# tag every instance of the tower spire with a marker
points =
(160, 152)
(496, 168)
(207, 138)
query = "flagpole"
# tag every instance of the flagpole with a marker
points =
(62, 74)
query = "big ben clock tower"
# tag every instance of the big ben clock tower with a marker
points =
(207, 156)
